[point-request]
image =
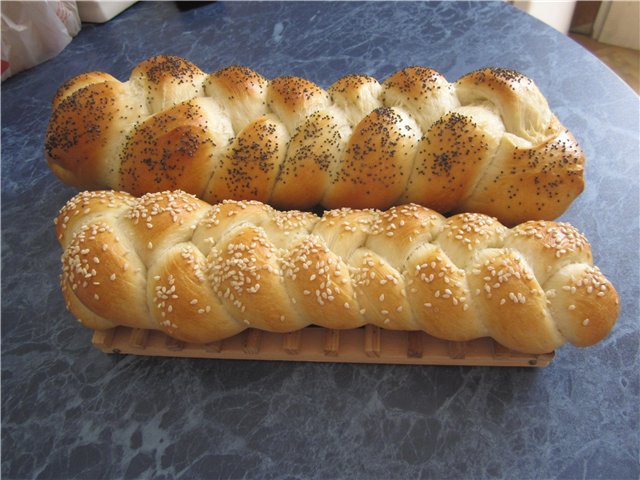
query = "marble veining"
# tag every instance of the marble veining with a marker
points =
(69, 411)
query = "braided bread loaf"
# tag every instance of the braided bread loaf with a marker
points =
(487, 143)
(199, 273)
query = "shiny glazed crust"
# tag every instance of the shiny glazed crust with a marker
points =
(200, 272)
(487, 143)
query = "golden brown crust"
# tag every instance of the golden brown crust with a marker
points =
(183, 301)
(376, 162)
(487, 143)
(202, 272)
(106, 276)
(245, 274)
(450, 157)
(166, 80)
(356, 95)
(250, 166)
(171, 149)
(294, 98)
(529, 183)
(313, 152)
(512, 302)
(522, 107)
(241, 92)
(464, 234)
(583, 303)
(439, 291)
(424, 93)
(239, 82)
(159, 220)
(86, 206)
(319, 284)
(78, 82)
(83, 314)
(545, 243)
(380, 292)
(85, 130)
(395, 233)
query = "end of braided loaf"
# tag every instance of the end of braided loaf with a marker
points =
(201, 272)
(487, 143)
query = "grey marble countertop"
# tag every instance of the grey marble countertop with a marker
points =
(70, 411)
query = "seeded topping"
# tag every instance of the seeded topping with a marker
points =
(163, 67)
(242, 257)
(242, 253)
(472, 229)
(351, 82)
(89, 202)
(160, 151)
(446, 161)
(162, 209)
(243, 266)
(494, 76)
(240, 80)
(165, 142)
(416, 81)
(560, 238)
(374, 156)
(294, 91)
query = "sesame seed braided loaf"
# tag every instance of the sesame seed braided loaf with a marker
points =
(201, 273)
(487, 143)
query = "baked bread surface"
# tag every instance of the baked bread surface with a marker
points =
(199, 272)
(487, 143)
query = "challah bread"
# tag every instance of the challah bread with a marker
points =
(200, 273)
(487, 143)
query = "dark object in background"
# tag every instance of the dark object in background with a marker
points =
(184, 6)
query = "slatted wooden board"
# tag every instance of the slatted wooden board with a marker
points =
(369, 344)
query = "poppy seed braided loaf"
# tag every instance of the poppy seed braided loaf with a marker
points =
(487, 143)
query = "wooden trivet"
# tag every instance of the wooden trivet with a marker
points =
(368, 344)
